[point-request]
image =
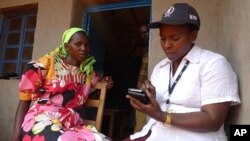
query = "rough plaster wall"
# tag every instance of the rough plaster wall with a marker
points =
(9, 101)
(11, 3)
(77, 14)
(234, 44)
(54, 16)
(219, 32)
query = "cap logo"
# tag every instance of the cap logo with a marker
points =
(169, 11)
(192, 17)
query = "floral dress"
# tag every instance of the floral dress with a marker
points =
(57, 90)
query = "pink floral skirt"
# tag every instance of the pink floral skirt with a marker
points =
(54, 123)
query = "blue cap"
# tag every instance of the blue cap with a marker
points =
(177, 14)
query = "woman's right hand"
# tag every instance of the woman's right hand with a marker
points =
(22, 109)
(108, 81)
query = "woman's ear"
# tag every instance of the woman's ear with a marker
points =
(194, 35)
(66, 46)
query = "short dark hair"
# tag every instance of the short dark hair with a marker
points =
(191, 27)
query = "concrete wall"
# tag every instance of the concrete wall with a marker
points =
(9, 102)
(53, 17)
(233, 42)
(224, 29)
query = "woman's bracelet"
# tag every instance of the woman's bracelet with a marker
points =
(168, 121)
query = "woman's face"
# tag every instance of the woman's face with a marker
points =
(176, 40)
(78, 48)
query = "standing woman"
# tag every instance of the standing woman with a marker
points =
(56, 85)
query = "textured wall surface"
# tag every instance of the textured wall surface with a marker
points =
(224, 29)
(9, 102)
(233, 42)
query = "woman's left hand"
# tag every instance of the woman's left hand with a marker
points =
(153, 108)
(108, 81)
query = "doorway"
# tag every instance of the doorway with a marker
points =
(113, 32)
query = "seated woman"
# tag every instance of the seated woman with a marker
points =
(191, 90)
(56, 85)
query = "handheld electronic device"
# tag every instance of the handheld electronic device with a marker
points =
(139, 95)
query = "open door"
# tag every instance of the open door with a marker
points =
(113, 31)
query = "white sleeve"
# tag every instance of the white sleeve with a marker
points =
(218, 82)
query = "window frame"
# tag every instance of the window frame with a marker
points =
(114, 6)
(5, 32)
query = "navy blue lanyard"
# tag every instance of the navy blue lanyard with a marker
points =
(171, 88)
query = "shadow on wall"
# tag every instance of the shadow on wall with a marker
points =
(11, 75)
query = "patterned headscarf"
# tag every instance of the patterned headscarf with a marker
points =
(87, 65)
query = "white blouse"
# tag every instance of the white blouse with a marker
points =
(208, 79)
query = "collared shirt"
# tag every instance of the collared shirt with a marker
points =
(208, 79)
